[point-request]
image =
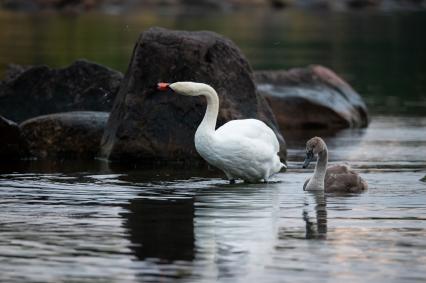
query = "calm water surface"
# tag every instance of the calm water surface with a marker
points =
(93, 222)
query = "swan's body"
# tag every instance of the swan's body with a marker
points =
(243, 149)
(338, 178)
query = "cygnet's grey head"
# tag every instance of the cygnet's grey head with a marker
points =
(313, 147)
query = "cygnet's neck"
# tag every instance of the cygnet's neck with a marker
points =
(317, 181)
(208, 124)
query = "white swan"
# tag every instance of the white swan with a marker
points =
(243, 149)
(337, 178)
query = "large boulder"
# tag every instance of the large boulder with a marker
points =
(71, 135)
(12, 143)
(150, 126)
(312, 97)
(28, 92)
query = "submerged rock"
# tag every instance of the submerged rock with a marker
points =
(72, 135)
(33, 91)
(12, 143)
(312, 97)
(151, 126)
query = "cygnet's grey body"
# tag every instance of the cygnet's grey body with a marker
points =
(337, 178)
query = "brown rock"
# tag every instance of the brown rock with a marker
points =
(151, 126)
(71, 135)
(312, 97)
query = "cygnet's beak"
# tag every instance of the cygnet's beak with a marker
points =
(163, 86)
(308, 158)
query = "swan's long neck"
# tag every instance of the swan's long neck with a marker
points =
(320, 168)
(208, 125)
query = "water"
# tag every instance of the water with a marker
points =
(92, 223)
(96, 222)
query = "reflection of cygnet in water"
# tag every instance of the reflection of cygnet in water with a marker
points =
(321, 215)
(338, 178)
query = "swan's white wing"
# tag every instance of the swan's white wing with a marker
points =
(251, 129)
(246, 148)
(244, 157)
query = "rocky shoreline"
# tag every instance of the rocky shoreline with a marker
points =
(87, 110)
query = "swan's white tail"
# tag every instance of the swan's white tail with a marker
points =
(279, 165)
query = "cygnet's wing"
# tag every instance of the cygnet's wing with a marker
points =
(340, 178)
(251, 129)
(338, 169)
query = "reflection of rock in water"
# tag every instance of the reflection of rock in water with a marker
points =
(55, 166)
(162, 229)
(321, 216)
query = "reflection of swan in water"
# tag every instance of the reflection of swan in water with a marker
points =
(321, 218)
(161, 229)
(338, 178)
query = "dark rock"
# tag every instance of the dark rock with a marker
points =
(423, 179)
(36, 5)
(39, 90)
(20, 5)
(147, 125)
(281, 4)
(13, 71)
(363, 3)
(71, 135)
(206, 5)
(12, 143)
(312, 97)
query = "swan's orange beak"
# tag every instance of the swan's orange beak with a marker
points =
(163, 86)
